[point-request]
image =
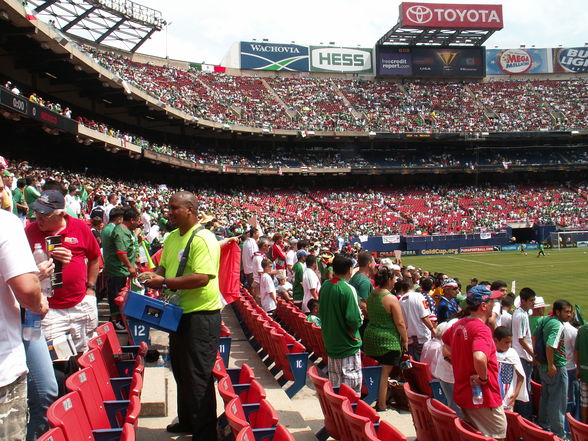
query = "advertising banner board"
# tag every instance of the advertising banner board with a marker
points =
(451, 16)
(570, 59)
(424, 61)
(518, 61)
(467, 250)
(274, 56)
(341, 59)
(438, 251)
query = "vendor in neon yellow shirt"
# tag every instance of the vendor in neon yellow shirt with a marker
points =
(194, 345)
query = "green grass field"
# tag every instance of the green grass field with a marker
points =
(561, 274)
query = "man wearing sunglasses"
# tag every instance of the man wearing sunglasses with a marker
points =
(448, 305)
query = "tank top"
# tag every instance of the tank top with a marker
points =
(381, 335)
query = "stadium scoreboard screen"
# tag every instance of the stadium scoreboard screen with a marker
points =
(429, 61)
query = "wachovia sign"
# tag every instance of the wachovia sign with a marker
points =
(451, 16)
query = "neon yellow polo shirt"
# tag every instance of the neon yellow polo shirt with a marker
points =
(204, 259)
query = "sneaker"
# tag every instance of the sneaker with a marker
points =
(119, 326)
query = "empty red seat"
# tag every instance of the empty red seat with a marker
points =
(319, 386)
(442, 418)
(421, 418)
(532, 432)
(578, 429)
(465, 434)
(55, 434)
(385, 432)
(264, 421)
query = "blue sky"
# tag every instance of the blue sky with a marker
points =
(204, 31)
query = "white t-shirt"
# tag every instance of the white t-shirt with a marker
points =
(285, 288)
(249, 249)
(266, 286)
(291, 257)
(15, 259)
(415, 307)
(509, 363)
(521, 329)
(256, 266)
(432, 354)
(505, 319)
(309, 281)
(497, 309)
(570, 334)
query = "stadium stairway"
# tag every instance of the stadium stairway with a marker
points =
(302, 414)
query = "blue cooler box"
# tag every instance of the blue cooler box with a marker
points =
(153, 312)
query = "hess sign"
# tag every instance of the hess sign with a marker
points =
(451, 16)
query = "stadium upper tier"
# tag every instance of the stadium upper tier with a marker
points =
(306, 103)
(324, 214)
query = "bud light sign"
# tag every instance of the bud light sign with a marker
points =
(573, 59)
(274, 56)
(517, 61)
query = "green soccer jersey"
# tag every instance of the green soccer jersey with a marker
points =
(122, 241)
(362, 284)
(582, 348)
(297, 289)
(553, 334)
(340, 318)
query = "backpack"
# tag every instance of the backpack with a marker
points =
(539, 345)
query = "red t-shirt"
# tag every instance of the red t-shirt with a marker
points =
(279, 257)
(465, 337)
(78, 238)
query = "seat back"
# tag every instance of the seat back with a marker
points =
(386, 432)
(55, 434)
(513, 429)
(236, 416)
(69, 415)
(532, 432)
(337, 402)
(422, 377)
(356, 423)
(442, 418)
(84, 382)
(421, 418)
(464, 434)
(536, 396)
(93, 359)
(129, 433)
(107, 330)
(225, 389)
(579, 430)
(319, 385)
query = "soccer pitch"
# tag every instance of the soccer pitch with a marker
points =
(562, 274)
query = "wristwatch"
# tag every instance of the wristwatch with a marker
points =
(92, 287)
(164, 284)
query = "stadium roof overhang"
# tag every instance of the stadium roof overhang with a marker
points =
(119, 23)
(435, 24)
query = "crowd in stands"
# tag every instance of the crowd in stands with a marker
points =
(309, 103)
(465, 337)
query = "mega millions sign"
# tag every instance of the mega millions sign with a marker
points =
(340, 59)
(451, 16)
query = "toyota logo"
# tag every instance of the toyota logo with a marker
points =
(419, 14)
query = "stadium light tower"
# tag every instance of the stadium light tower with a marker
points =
(114, 22)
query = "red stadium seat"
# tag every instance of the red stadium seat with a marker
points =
(464, 434)
(532, 432)
(280, 434)
(111, 388)
(442, 418)
(513, 428)
(421, 418)
(385, 432)
(265, 420)
(319, 385)
(578, 429)
(55, 434)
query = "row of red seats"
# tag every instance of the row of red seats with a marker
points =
(434, 421)
(309, 333)
(290, 356)
(311, 336)
(103, 403)
(249, 415)
(347, 417)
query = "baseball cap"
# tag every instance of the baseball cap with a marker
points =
(480, 294)
(386, 262)
(7, 173)
(395, 267)
(50, 200)
(410, 267)
(449, 282)
(301, 253)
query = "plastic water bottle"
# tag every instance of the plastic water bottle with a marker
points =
(40, 257)
(477, 397)
(31, 328)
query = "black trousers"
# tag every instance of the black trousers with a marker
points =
(193, 349)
